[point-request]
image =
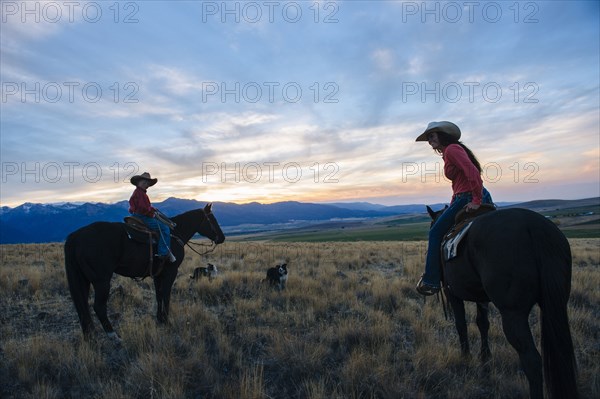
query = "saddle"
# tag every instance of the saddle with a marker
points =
(462, 223)
(463, 215)
(139, 232)
(135, 225)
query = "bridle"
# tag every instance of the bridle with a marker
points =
(212, 246)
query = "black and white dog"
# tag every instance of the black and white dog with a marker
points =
(277, 276)
(210, 272)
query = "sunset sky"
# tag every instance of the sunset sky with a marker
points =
(315, 101)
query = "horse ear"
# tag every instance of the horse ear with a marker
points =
(208, 207)
(430, 212)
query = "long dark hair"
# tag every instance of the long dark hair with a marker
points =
(446, 140)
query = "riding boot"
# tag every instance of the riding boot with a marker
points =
(426, 289)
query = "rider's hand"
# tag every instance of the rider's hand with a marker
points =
(471, 207)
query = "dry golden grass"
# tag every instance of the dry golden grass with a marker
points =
(349, 325)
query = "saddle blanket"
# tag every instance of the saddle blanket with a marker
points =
(451, 241)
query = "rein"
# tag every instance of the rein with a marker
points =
(441, 295)
(212, 245)
(444, 305)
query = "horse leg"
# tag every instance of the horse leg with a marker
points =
(460, 321)
(484, 326)
(162, 300)
(517, 331)
(79, 286)
(80, 299)
(102, 290)
(163, 284)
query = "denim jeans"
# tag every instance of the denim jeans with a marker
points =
(444, 222)
(164, 234)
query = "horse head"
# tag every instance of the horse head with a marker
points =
(435, 214)
(210, 227)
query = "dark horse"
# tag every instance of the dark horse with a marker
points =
(517, 258)
(94, 252)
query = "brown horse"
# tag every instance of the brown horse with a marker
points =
(516, 258)
(94, 252)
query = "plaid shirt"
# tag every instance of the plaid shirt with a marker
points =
(140, 203)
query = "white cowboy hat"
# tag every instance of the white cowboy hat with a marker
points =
(444, 126)
(144, 176)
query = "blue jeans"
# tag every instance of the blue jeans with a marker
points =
(444, 222)
(164, 234)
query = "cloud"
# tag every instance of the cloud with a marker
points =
(389, 73)
(23, 22)
(173, 80)
(383, 59)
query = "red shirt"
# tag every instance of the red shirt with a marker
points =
(463, 173)
(140, 203)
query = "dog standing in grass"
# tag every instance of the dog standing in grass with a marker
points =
(210, 271)
(277, 276)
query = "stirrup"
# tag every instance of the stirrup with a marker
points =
(426, 289)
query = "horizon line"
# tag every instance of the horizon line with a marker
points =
(79, 203)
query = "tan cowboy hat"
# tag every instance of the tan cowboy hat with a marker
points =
(143, 176)
(444, 126)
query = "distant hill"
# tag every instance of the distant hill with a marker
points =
(556, 204)
(396, 209)
(399, 209)
(37, 223)
(576, 219)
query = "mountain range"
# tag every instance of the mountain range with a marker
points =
(37, 223)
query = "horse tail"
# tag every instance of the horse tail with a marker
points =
(554, 265)
(79, 285)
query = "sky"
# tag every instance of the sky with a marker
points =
(314, 101)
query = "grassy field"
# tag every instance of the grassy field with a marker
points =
(381, 231)
(349, 325)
